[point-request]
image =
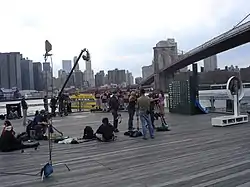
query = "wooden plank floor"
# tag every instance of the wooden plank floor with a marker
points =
(193, 154)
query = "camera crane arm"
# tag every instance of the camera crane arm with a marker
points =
(86, 58)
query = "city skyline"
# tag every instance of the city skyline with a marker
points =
(125, 44)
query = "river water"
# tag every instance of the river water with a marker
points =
(203, 94)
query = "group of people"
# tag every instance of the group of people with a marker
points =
(102, 99)
(63, 103)
(140, 105)
(9, 141)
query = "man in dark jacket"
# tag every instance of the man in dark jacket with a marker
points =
(106, 131)
(24, 108)
(45, 103)
(114, 106)
(53, 102)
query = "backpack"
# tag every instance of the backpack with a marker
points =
(88, 133)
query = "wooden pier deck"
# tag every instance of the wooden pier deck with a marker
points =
(193, 154)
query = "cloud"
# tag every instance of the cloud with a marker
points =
(119, 34)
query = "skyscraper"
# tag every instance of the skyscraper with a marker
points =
(77, 66)
(89, 74)
(37, 74)
(10, 70)
(99, 79)
(67, 65)
(116, 76)
(79, 79)
(210, 63)
(27, 74)
(147, 71)
(129, 78)
(46, 67)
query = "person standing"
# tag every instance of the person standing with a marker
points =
(114, 106)
(143, 107)
(53, 102)
(104, 98)
(131, 110)
(45, 103)
(24, 108)
(98, 100)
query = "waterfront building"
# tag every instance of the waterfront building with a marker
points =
(210, 63)
(10, 70)
(27, 74)
(66, 65)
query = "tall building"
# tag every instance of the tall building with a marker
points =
(67, 65)
(37, 74)
(47, 76)
(10, 70)
(27, 74)
(47, 67)
(210, 63)
(62, 76)
(129, 78)
(147, 71)
(79, 79)
(100, 79)
(77, 66)
(89, 74)
(116, 76)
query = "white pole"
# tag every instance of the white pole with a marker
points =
(236, 103)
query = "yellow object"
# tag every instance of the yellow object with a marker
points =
(83, 101)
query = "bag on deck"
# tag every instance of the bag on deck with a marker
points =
(134, 133)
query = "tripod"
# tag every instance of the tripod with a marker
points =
(47, 169)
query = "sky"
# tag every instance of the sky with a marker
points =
(118, 33)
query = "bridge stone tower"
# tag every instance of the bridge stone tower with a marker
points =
(165, 53)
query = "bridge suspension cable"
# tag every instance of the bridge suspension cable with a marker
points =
(241, 21)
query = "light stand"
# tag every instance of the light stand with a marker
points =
(47, 169)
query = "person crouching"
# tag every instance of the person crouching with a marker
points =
(105, 132)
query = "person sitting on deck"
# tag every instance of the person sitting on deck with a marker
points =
(105, 132)
(8, 141)
(39, 124)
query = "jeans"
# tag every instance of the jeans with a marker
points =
(146, 123)
(131, 113)
(115, 118)
(152, 118)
